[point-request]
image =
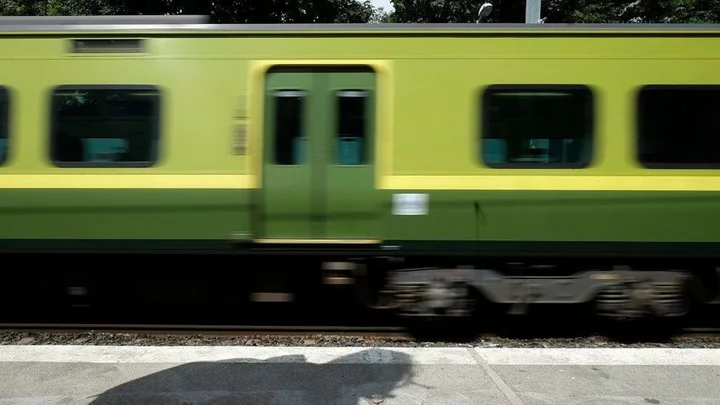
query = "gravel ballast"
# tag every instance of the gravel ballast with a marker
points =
(330, 340)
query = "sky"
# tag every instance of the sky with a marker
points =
(382, 3)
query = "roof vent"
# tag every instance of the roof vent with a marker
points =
(107, 46)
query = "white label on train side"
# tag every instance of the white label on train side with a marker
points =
(410, 204)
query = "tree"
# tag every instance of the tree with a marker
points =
(58, 7)
(361, 11)
(220, 11)
(561, 11)
(455, 11)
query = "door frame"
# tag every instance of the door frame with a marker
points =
(382, 145)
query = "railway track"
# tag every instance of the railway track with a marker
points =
(323, 335)
(212, 330)
(337, 327)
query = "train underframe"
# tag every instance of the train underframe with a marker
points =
(415, 288)
(634, 289)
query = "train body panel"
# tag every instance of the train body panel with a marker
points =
(368, 142)
(425, 125)
(560, 216)
(456, 221)
(170, 215)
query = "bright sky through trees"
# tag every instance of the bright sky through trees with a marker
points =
(385, 4)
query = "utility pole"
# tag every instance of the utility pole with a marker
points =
(532, 11)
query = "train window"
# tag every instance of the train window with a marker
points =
(679, 127)
(105, 126)
(4, 124)
(290, 144)
(351, 130)
(537, 126)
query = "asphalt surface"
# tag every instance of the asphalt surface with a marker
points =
(106, 374)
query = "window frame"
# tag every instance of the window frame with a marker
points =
(488, 92)
(156, 131)
(5, 118)
(639, 126)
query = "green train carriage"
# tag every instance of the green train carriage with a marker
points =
(582, 152)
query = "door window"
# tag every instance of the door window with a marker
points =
(351, 132)
(290, 143)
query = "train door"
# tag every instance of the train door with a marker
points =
(318, 171)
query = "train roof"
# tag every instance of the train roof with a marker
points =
(200, 25)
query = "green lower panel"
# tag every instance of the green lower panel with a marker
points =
(462, 216)
(561, 216)
(124, 214)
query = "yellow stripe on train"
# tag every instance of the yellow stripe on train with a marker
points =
(126, 181)
(418, 182)
(548, 183)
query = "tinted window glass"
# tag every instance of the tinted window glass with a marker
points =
(351, 133)
(537, 126)
(105, 126)
(4, 124)
(679, 126)
(290, 144)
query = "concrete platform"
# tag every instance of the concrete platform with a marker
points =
(349, 376)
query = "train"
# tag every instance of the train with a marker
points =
(424, 167)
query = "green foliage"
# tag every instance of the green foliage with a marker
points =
(381, 16)
(361, 11)
(17, 7)
(58, 7)
(562, 11)
(436, 11)
(220, 11)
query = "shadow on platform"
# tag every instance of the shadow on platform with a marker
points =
(348, 380)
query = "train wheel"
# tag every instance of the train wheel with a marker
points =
(440, 311)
